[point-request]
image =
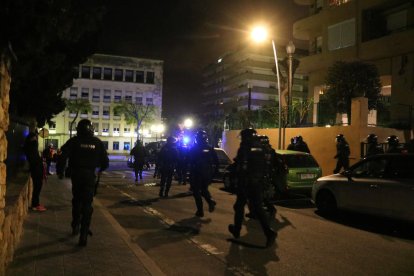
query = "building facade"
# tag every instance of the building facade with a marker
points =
(375, 31)
(105, 81)
(244, 78)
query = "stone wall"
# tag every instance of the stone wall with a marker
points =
(14, 205)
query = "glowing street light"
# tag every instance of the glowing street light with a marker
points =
(259, 34)
(157, 129)
(188, 123)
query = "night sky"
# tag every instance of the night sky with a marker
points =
(188, 35)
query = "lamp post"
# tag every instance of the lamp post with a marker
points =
(249, 99)
(259, 34)
(290, 50)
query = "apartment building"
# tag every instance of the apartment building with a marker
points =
(248, 71)
(105, 80)
(375, 31)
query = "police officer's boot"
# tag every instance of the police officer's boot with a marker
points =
(75, 229)
(83, 238)
(235, 232)
(212, 206)
(161, 193)
(270, 237)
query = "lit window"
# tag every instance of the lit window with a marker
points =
(127, 146)
(105, 127)
(341, 35)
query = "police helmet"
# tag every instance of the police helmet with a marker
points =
(201, 137)
(298, 138)
(248, 134)
(85, 128)
(264, 140)
(171, 140)
(392, 140)
(340, 138)
(372, 138)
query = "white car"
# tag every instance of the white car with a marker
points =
(381, 185)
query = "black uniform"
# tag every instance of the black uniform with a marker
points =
(85, 154)
(251, 169)
(301, 145)
(373, 149)
(182, 165)
(167, 161)
(140, 154)
(36, 167)
(203, 162)
(342, 154)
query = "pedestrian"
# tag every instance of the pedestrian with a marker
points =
(167, 162)
(203, 162)
(182, 166)
(394, 145)
(291, 146)
(85, 153)
(373, 147)
(37, 171)
(342, 153)
(140, 154)
(250, 168)
(60, 166)
(47, 154)
(301, 145)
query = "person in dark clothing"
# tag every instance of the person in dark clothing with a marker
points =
(394, 145)
(36, 169)
(291, 146)
(342, 153)
(301, 145)
(250, 167)
(167, 161)
(140, 154)
(85, 153)
(203, 162)
(373, 147)
(410, 146)
(48, 153)
(182, 166)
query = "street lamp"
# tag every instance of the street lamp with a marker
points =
(188, 123)
(259, 34)
(157, 129)
(290, 50)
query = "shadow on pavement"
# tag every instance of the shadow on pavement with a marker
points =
(383, 226)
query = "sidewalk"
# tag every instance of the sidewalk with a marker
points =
(48, 248)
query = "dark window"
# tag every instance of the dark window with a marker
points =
(150, 77)
(129, 75)
(115, 146)
(76, 72)
(119, 75)
(139, 76)
(105, 144)
(300, 161)
(52, 125)
(107, 73)
(97, 73)
(86, 72)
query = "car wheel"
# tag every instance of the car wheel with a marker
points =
(326, 203)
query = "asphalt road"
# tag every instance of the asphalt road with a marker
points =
(307, 244)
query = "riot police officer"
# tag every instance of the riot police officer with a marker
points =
(250, 168)
(140, 155)
(301, 145)
(394, 144)
(85, 153)
(373, 147)
(342, 153)
(203, 162)
(167, 161)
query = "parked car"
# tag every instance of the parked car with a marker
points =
(301, 172)
(381, 185)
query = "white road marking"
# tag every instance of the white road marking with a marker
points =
(208, 248)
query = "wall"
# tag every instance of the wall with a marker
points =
(14, 204)
(321, 140)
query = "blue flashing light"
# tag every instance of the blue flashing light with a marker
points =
(186, 140)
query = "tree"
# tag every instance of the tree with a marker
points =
(48, 39)
(136, 113)
(347, 80)
(214, 126)
(77, 106)
(300, 108)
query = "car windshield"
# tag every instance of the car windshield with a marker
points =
(300, 161)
